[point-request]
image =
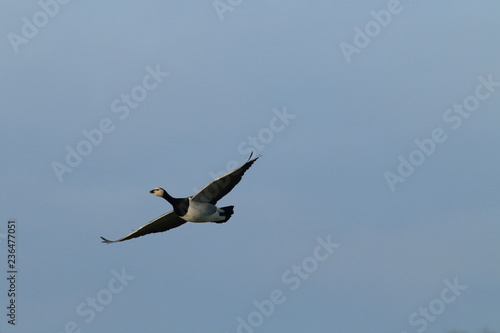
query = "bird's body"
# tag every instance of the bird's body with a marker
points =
(200, 207)
(192, 210)
(206, 212)
(203, 212)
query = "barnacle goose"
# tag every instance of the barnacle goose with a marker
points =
(197, 208)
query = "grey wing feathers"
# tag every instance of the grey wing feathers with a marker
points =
(163, 223)
(217, 189)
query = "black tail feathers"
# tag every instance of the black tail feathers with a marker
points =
(228, 211)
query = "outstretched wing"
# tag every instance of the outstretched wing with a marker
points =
(163, 223)
(217, 189)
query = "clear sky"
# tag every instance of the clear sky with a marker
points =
(374, 207)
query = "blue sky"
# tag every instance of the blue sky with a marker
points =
(374, 205)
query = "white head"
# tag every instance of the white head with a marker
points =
(158, 191)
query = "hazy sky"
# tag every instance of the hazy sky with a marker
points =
(374, 207)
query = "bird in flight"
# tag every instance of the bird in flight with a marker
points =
(197, 208)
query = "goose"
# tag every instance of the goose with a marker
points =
(200, 207)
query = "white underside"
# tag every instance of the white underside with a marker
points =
(202, 212)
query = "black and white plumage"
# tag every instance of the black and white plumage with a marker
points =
(200, 207)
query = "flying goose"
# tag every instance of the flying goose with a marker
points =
(197, 208)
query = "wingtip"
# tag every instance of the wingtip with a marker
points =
(250, 157)
(106, 241)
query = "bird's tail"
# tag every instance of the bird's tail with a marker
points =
(228, 211)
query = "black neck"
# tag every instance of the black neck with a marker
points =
(169, 198)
